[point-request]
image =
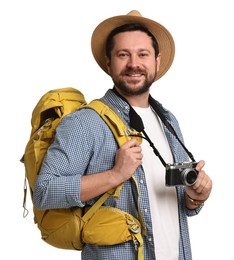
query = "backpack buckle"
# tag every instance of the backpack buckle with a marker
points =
(133, 227)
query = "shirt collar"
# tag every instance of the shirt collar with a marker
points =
(117, 104)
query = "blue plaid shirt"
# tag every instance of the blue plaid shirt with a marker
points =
(84, 145)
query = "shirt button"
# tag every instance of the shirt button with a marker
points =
(146, 210)
(141, 181)
(150, 239)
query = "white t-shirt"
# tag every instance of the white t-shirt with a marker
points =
(163, 199)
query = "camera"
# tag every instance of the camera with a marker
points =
(181, 174)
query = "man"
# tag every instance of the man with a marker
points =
(84, 160)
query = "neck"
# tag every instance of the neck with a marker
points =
(136, 101)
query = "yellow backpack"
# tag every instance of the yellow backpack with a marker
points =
(72, 228)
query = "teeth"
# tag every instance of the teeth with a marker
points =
(135, 75)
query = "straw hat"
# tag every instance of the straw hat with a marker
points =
(162, 35)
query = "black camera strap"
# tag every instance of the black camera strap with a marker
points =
(137, 124)
(159, 111)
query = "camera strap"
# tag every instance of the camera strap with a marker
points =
(157, 107)
(137, 124)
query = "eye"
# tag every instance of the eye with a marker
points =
(144, 54)
(123, 54)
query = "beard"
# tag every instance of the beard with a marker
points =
(123, 86)
(132, 92)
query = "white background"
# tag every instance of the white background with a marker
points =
(46, 45)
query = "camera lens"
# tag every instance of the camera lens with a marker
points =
(189, 176)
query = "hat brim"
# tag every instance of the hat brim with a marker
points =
(162, 35)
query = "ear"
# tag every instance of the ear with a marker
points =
(158, 61)
(108, 62)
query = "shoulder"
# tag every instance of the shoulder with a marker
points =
(85, 122)
(81, 118)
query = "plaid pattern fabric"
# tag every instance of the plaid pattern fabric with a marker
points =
(84, 145)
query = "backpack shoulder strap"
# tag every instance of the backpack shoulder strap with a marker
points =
(122, 134)
(119, 129)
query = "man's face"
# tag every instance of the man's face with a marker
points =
(133, 65)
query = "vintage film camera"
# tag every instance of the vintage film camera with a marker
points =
(181, 174)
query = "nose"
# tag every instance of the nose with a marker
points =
(133, 61)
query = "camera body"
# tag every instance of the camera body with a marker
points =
(181, 174)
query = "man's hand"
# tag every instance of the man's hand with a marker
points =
(128, 158)
(201, 190)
